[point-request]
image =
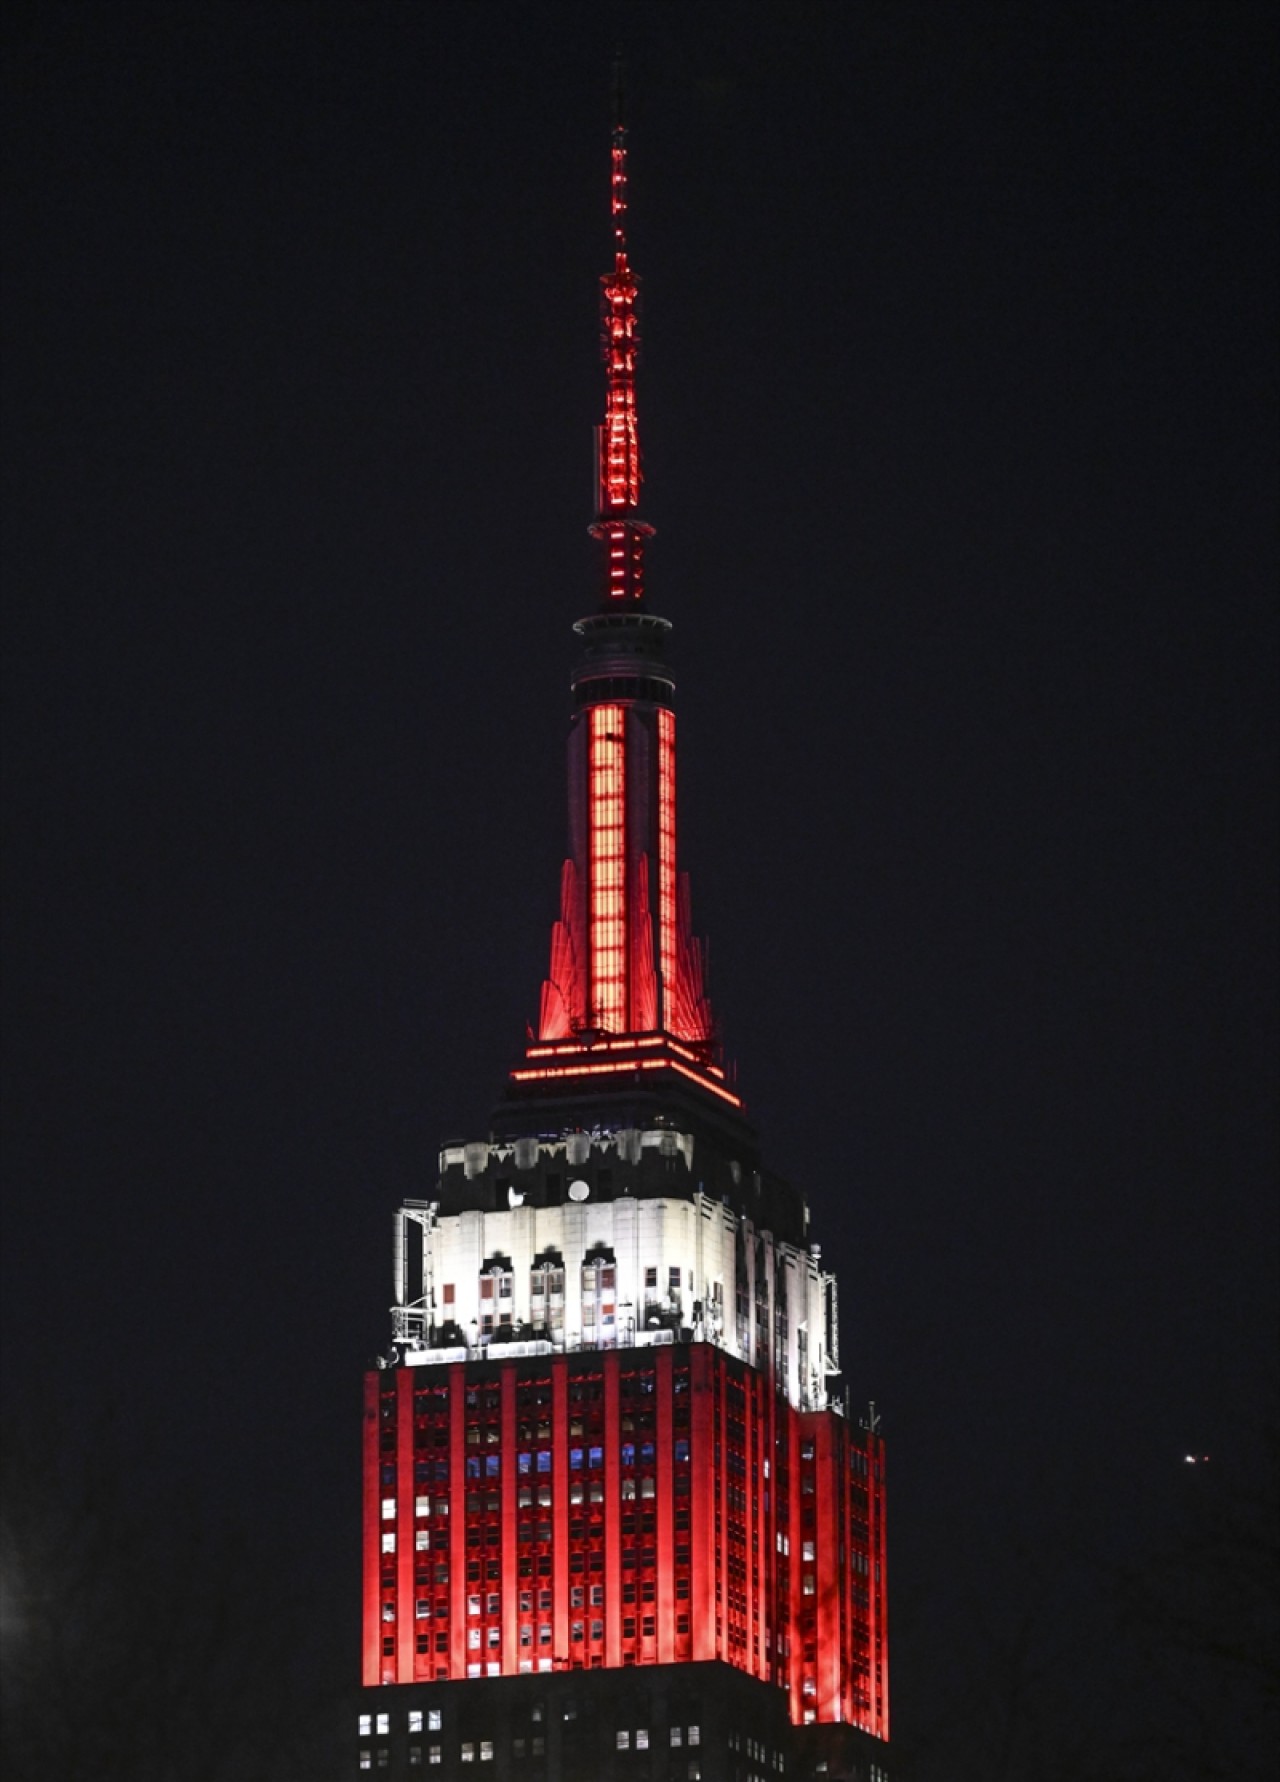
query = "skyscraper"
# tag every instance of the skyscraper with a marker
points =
(618, 1520)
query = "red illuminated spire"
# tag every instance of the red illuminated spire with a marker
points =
(617, 523)
(625, 993)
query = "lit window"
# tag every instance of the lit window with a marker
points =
(623, 1741)
(433, 1719)
(468, 1753)
(473, 1638)
(415, 1720)
(695, 1735)
(486, 1750)
(388, 1509)
(366, 1760)
(389, 1542)
(807, 1551)
(677, 1735)
(642, 1738)
(366, 1725)
(384, 1723)
(433, 1754)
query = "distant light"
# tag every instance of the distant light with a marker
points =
(578, 1190)
(1196, 1459)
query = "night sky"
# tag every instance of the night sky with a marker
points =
(958, 401)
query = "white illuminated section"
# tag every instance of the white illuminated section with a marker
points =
(592, 1272)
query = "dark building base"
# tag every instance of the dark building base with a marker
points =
(652, 1723)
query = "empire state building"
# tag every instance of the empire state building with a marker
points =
(618, 1518)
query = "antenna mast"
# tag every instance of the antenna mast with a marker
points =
(617, 523)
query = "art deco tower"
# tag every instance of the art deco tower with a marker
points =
(617, 1519)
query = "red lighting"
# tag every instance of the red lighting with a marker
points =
(630, 1056)
(608, 882)
(497, 1508)
(667, 850)
(624, 959)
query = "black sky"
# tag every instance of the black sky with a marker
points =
(959, 408)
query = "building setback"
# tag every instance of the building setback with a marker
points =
(617, 1519)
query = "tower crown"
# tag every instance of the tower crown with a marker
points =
(625, 996)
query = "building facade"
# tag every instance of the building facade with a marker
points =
(617, 1518)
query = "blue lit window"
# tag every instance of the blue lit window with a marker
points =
(473, 1466)
(524, 1462)
(628, 1454)
(544, 1461)
(575, 1460)
(596, 1457)
(491, 1465)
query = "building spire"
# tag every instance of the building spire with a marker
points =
(617, 522)
(625, 998)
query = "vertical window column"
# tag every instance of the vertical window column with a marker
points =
(607, 890)
(665, 1512)
(703, 1361)
(403, 1525)
(612, 1510)
(510, 1584)
(667, 863)
(560, 1511)
(457, 1520)
(371, 1669)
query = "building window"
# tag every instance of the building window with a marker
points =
(695, 1735)
(388, 1509)
(366, 1725)
(389, 1542)
(623, 1740)
(384, 1723)
(433, 1719)
(486, 1750)
(642, 1738)
(468, 1752)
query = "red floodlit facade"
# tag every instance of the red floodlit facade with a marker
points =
(623, 1507)
(611, 1438)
